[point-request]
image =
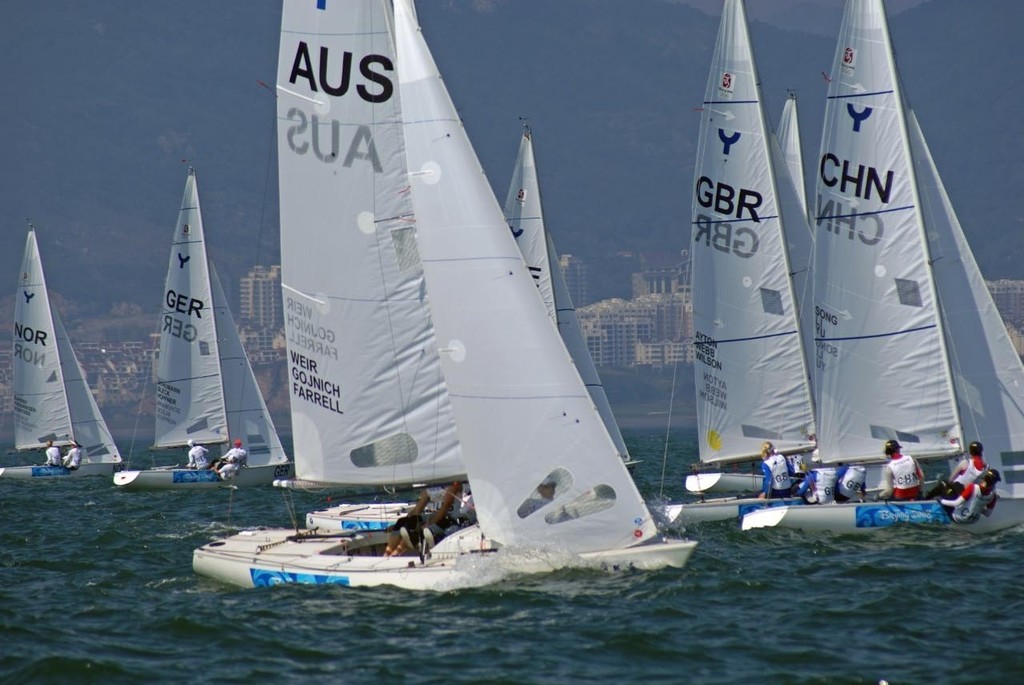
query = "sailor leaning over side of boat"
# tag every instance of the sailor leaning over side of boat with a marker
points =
(967, 494)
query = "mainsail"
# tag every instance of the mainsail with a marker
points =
(881, 365)
(189, 393)
(369, 403)
(750, 370)
(52, 399)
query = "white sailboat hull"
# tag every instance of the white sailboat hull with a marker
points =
(262, 558)
(866, 517)
(721, 509)
(358, 516)
(724, 482)
(192, 479)
(32, 472)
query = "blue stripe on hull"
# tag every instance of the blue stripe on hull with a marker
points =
(42, 471)
(264, 578)
(190, 476)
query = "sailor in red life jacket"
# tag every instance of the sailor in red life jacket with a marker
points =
(901, 477)
(977, 499)
(971, 470)
(778, 477)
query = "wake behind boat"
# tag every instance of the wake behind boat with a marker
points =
(206, 390)
(910, 346)
(545, 473)
(52, 400)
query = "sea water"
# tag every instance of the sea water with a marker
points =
(97, 587)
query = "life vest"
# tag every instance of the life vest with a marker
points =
(972, 503)
(778, 466)
(852, 482)
(824, 485)
(976, 467)
(906, 482)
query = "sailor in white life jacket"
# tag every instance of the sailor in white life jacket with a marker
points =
(971, 470)
(976, 500)
(851, 482)
(778, 478)
(819, 487)
(901, 476)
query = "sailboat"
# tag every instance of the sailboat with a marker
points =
(751, 377)
(525, 420)
(524, 213)
(52, 399)
(910, 345)
(206, 390)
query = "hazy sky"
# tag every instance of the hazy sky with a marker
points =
(818, 16)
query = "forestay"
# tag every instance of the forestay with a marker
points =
(751, 375)
(524, 415)
(880, 357)
(369, 403)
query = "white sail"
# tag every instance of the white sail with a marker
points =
(189, 396)
(369, 403)
(524, 415)
(987, 371)
(52, 399)
(788, 133)
(750, 370)
(881, 365)
(525, 215)
(245, 410)
(526, 424)
(787, 157)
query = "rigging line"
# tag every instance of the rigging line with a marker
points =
(748, 339)
(890, 334)
(668, 428)
(138, 412)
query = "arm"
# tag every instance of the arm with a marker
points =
(421, 504)
(446, 505)
(766, 482)
(959, 500)
(886, 491)
(806, 483)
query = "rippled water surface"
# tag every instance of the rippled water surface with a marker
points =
(97, 587)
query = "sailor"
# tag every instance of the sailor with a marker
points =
(971, 469)
(73, 459)
(976, 500)
(851, 482)
(819, 487)
(901, 476)
(778, 478)
(408, 532)
(198, 456)
(232, 461)
(52, 454)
